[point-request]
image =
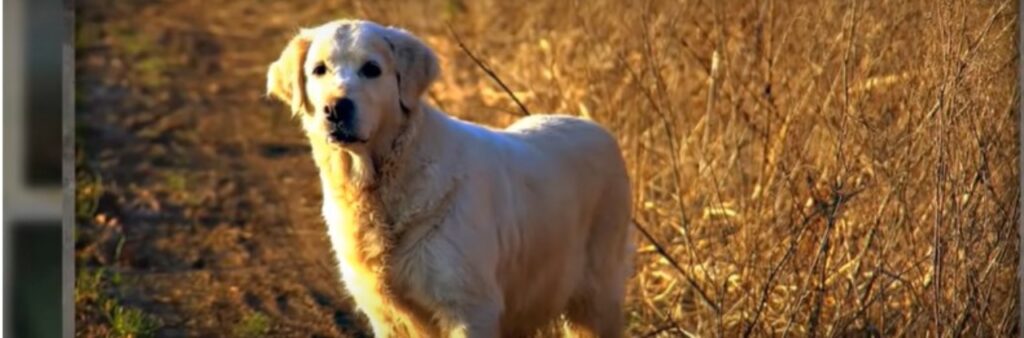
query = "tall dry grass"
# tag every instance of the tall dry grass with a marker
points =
(816, 168)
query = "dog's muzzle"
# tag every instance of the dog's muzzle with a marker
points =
(341, 122)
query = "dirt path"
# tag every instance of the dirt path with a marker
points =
(207, 203)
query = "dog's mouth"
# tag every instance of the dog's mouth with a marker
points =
(343, 135)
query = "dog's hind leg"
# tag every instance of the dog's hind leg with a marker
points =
(596, 307)
(597, 312)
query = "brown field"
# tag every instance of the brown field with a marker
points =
(812, 168)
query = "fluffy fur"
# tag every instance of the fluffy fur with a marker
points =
(446, 228)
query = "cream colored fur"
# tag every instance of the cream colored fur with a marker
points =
(446, 228)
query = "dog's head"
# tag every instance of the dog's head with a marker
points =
(352, 81)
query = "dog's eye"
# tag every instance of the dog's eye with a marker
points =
(369, 70)
(320, 69)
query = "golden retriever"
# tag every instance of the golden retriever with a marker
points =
(446, 228)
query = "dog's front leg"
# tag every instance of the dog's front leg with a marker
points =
(380, 322)
(394, 325)
(381, 328)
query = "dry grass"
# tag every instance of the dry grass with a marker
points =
(815, 168)
(819, 168)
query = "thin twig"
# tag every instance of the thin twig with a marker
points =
(766, 290)
(487, 69)
(664, 253)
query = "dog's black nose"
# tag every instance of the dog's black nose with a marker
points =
(341, 121)
(343, 112)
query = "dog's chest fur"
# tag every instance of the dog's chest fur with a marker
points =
(376, 236)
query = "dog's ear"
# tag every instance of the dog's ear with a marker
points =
(285, 78)
(415, 63)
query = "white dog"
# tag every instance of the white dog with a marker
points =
(446, 228)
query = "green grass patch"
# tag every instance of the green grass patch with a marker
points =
(176, 181)
(91, 295)
(151, 71)
(128, 322)
(88, 189)
(253, 324)
(87, 285)
(146, 57)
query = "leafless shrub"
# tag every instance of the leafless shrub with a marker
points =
(822, 168)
